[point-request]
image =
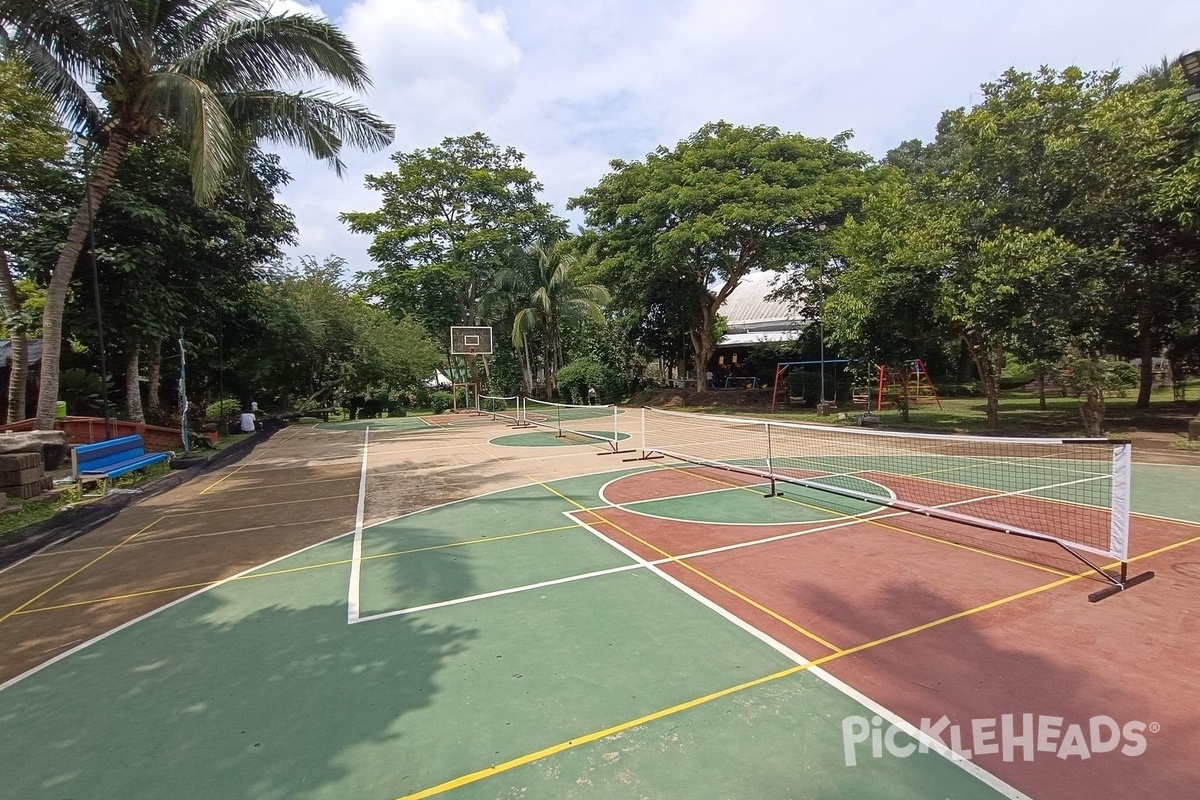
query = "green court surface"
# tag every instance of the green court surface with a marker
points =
(315, 677)
(551, 439)
(737, 505)
(384, 424)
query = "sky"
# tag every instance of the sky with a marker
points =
(574, 84)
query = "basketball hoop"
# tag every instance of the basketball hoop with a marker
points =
(470, 340)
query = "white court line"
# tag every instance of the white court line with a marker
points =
(356, 550)
(149, 540)
(160, 609)
(846, 521)
(498, 593)
(972, 769)
(629, 507)
(601, 573)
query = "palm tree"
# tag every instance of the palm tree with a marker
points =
(549, 299)
(207, 67)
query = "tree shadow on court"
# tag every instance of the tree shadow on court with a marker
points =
(220, 701)
(1050, 655)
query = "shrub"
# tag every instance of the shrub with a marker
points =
(222, 410)
(441, 401)
(575, 378)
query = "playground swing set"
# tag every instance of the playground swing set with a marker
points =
(908, 382)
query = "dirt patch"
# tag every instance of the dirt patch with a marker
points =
(671, 398)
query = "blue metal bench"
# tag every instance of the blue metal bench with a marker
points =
(100, 462)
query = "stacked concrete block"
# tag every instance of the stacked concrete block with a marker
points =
(23, 475)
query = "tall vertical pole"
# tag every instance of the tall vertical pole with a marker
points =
(183, 401)
(821, 336)
(87, 169)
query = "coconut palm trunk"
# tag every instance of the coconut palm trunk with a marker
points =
(60, 280)
(20, 345)
(208, 69)
(154, 375)
(133, 387)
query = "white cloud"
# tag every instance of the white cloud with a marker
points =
(576, 84)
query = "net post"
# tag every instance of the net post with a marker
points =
(1122, 469)
(770, 469)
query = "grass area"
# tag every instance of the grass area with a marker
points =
(1184, 444)
(23, 513)
(1020, 414)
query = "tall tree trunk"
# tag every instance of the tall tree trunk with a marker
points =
(527, 365)
(154, 375)
(1146, 352)
(11, 304)
(964, 362)
(1041, 388)
(987, 362)
(133, 388)
(704, 344)
(60, 279)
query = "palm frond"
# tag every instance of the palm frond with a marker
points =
(317, 122)
(181, 26)
(56, 30)
(116, 22)
(273, 49)
(74, 105)
(524, 322)
(205, 125)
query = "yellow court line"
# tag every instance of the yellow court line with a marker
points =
(891, 527)
(118, 546)
(181, 587)
(723, 587)
(478, 775)
(1160, 518)
(175, 514)
(211, 486)
(95, 560)
(459, 436)
(268, 487)
(487, 772)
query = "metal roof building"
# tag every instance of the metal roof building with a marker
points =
(752, 318)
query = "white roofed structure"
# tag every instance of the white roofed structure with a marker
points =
(752, 318)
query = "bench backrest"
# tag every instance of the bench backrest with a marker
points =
(99, 455)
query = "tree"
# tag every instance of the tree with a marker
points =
(209, 67)
(1145, 150)
(165, 262)
(1106, 166)
(448, 216)
(548, 299)
(317, 338)
(32, 167)
(727, 200)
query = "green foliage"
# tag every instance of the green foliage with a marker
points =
(209, 68)
(1090, 378)
(576, 376)
(539, 296)
(222, 410)
(725, 201)
(82, 391)
(314, 337)
(32, 145)
(440, 402)
(166, 263)
(448, 215)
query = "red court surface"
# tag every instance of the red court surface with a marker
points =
(934, 619)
